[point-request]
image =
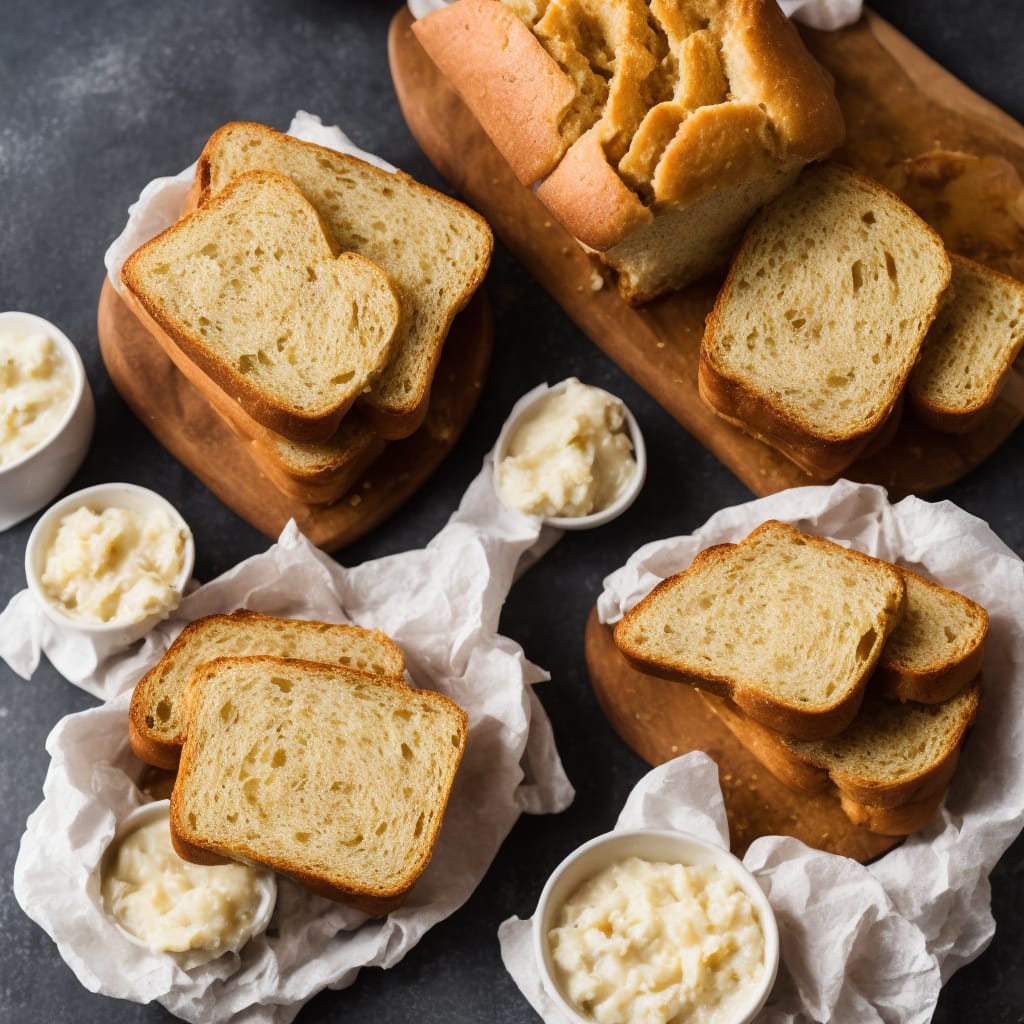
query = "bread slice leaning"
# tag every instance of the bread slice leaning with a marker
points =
(821, 318)
(318, 772)
(434, 249)
(787, 625)
(251, 289)
(158, 713)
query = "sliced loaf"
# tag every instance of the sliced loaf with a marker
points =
(318, 772)
(821, 319)
(787, 625)
(434, 249)
(969, 349)
(157, 716)
(251, 290)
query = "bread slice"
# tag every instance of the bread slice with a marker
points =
(787, 625)
(891, 765)
(434, 249)
(318, 772)
(969, 350)
(937, 648)
(822, 316)
(250, 288)
(157, 716)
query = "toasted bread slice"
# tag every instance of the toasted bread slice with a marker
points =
(434, 249)
(318, 772)
(787, 625)
(969, 349)
(821, 319)
(157, 716)
(250, 288)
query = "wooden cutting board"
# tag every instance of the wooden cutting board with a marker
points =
(897, 103)
(661, 720)
(184, 422)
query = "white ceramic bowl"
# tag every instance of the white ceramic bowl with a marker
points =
(266, 885)
(663, 847)
(29, 482)
(105, 636)
(629, 492)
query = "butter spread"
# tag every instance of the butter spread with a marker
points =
(569, 456)
(114, 565)
(173, 906)
(653, 943)
(36, 389)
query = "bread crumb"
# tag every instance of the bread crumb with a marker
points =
(596, 281)
(355, 500)
(661, 344)
(675, 749)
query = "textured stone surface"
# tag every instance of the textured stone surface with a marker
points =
(97, 99)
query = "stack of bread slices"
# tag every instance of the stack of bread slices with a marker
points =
(838, 671)
(308, 295)
(299, 745)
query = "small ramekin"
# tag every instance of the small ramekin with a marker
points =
(29, 482)
(266, 883)
(106, 637)
(660, 846)
(629, 492)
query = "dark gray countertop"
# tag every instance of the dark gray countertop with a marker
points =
(95, 100)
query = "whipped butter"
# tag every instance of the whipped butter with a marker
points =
(114, 565)
(173, 906)
(36, 390)
(569, 455)
(653, 943)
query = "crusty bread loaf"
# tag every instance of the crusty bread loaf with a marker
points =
(434, 249)
(655, 129)
(821, 319)
(318, 772)
(891, 765)
(937, 648)
(787, 625)
(969, 349)
(157, 716)
(250, 288)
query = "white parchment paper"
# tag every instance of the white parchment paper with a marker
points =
(441, 604)
(861, 944)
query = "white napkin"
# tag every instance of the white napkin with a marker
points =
(441, 604)
(864, 944)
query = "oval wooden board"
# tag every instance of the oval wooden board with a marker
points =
(661, 720)
(897, 103)
(184, 422)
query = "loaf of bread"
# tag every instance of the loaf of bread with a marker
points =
(318, 772)
(158, 714)
(435, 250)
(654, 130)
(251, 289)
(822, 317)
(937, 648)
(969, 350)
(787, 625)
(891, 765)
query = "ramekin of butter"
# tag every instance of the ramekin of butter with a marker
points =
(47, 414)
(110, 562)
(646, 925)
(572, 455)
(166, 905)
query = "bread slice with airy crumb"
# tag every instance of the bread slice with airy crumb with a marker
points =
(434, 249)
(318, 772)
(969, 349)
(821, 318)
(158, 714)
(891, 766)
(787, 625)
(251, 289)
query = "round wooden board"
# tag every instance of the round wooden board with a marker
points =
(881, 75)
(184, 422)
(661, 720)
